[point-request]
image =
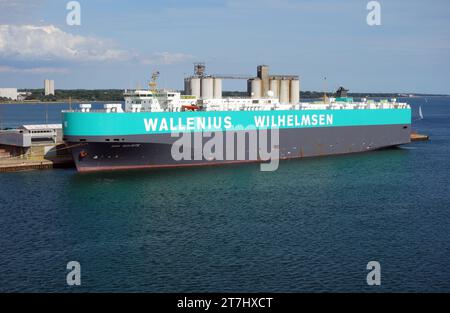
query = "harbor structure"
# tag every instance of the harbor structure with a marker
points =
(31, 147)
(30, 141)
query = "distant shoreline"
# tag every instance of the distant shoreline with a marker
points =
(78, 101)
(59, 102)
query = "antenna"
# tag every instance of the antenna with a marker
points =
(199, 69)
(325, 98)
(153, 83)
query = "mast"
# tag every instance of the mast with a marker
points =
(325, 97)
(153, 83)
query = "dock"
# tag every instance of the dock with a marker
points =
(419, 137)
(33, 147)
(17, 165)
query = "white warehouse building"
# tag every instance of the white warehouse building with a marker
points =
(10, 93)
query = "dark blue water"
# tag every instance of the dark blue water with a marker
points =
(14, 115)
(313, 225)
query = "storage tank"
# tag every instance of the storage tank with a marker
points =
(207, 88)
(187, 86)
(195, 87)
(295, 91)
(275, 87)
(284, 91)
(256, 88)
(217, 88)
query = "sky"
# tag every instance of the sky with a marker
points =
(120, 43)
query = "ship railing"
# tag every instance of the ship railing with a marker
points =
(90, 111)
(302, 106)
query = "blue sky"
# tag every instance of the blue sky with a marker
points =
(119, 43)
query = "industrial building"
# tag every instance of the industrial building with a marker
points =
(33, 147)
(49, 86)
(23, 95)
(29, 140)
(8, 93)
(286, 88)
(203, 86)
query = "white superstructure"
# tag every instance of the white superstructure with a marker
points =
(173, 101)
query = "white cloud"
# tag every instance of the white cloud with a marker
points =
(49, 43)
(28, 42)
(20, 11)
(166, 58)
(34, 70)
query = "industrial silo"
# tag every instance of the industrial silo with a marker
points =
(263, 74)
(284, 91)
(207, 88)
(256, 88)
(295, 91)
(249, 87)
(187, 86)
(195, 87)
(275, 87)
(217, 88)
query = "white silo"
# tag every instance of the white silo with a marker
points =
(207, 88)
(256, 88)
(284, 91)
(217, 88)
(195, 87)
(187, 86)
(275, 87)
(295, 91)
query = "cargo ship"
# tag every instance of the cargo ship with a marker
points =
(163, 128)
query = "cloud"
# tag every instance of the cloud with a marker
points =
(34, 70)
(49, 43)
(263, 4)
(166, 58)
(28, 42)
(19, 5)
(19, 10)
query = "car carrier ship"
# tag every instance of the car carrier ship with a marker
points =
(142, 132)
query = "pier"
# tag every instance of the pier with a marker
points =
(33, 147)
(12, 165)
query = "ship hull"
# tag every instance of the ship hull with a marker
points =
(103, 153)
